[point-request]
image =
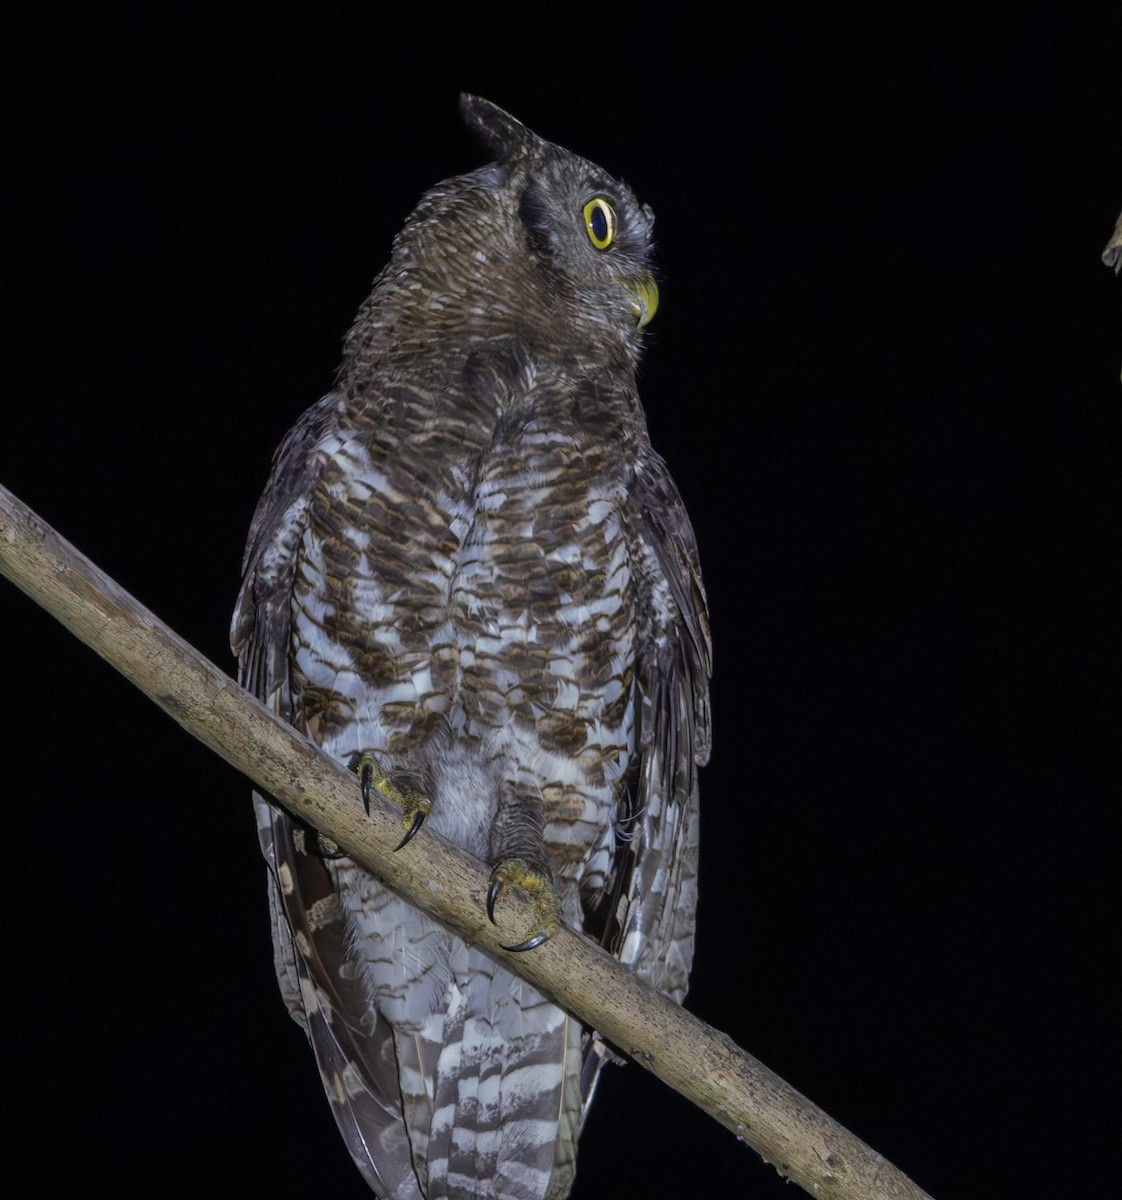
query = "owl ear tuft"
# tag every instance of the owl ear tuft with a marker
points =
(505, 136)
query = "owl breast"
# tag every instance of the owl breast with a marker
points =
(465, 610)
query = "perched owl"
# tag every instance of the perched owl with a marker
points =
(471, 580)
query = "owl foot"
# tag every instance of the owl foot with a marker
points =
(415, 806)
(513, 872)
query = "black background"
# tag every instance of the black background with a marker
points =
(885, 375)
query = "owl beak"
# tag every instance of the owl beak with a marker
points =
(644, 300)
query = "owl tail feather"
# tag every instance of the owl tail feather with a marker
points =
(506, 1093)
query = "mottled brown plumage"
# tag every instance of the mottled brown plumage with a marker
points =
(470, 570)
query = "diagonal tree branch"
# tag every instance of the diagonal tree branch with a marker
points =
(697, 1060)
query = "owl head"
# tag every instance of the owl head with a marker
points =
(577, 218)
(540, 244)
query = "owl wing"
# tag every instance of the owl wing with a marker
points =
(354, 1047)
(656, 869)
(261, 630)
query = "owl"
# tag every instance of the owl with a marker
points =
(471, 580)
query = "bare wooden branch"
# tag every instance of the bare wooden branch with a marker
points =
(700, 1062)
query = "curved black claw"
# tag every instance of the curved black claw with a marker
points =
(530, 943)
(366, 776)
(493, 893)
(418, 820)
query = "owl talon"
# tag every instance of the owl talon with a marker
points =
(543, 897)
(493, 893)
(418, 820)
(530, 943)
(366, 768)
(416, 807)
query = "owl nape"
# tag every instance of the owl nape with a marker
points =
(471, 579)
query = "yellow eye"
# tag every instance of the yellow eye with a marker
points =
(600, 221)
